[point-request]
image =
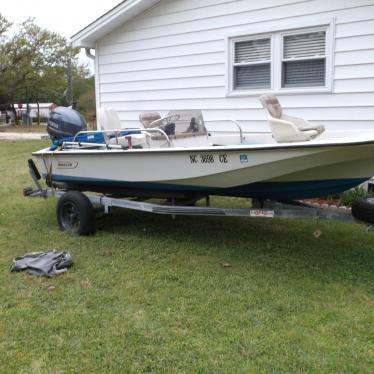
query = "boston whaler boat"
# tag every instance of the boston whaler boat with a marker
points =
(176, 157)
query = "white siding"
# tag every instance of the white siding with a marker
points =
(173, 56)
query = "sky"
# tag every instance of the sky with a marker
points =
(66, 17)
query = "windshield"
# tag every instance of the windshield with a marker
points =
(188, 121)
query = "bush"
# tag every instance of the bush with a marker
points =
(348, 197)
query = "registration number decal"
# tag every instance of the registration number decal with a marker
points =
(208, 158)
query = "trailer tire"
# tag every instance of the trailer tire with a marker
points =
(363, 210)
(76, 214)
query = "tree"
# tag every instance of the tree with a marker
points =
(86, 104)
(33, 63)
(4, 57)
(84, 92)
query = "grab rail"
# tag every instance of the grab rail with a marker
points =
(235, 123)
(145, 131)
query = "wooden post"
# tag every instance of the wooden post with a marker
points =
(37, 103)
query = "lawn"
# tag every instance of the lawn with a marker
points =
(149, 294)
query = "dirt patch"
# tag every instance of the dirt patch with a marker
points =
(322, 201)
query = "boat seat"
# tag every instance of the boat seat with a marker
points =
(146, 118)
(287, 128)
(108, 119)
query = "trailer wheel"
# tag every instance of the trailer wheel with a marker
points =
(363, 210)
(75, 213)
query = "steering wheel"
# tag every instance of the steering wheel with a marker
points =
(165, 120)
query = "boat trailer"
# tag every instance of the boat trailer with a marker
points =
(75, 211)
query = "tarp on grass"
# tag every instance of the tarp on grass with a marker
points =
(50, 263)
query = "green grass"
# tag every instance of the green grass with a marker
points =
(149, 294)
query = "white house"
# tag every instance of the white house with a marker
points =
(317, 56)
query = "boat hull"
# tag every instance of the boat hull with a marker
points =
(278, 172)
(259, 190)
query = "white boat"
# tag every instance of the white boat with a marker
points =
(176, 156)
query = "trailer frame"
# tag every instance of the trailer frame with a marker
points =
(259, 209)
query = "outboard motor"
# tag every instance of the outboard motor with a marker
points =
(65, 122)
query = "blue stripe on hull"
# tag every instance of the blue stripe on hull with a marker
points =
(261, 190)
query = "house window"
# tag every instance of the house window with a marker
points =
(252, 65)
(296, 60)
(304, 60)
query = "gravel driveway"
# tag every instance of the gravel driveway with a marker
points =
(22, 136)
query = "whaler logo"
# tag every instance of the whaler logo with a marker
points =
(67, 164)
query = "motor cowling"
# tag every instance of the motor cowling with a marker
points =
(65, 122)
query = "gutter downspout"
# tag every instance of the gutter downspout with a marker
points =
(95, 61)
(89, 54)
